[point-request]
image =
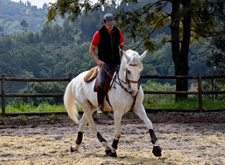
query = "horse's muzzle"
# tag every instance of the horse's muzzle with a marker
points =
(133, 92)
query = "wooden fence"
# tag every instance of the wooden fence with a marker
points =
(199, 92)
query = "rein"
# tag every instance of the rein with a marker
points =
(119, 80)
(125, 82)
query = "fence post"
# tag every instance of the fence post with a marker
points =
(200, 106)
(3, 94)
(70, 77)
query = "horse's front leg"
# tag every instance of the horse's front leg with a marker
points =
(94, 130)
(140, 111)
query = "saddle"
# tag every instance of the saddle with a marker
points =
(107, 86)
(93, 73)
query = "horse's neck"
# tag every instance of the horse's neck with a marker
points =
(121, 75)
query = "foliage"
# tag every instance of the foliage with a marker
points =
(57, 50)
(188, 20)
(217, 59)
(12, 14)
(16, 106)
(155, 98)
(215, 85)
(140, 18)
(24, 25)
(198, 59)
(44, 87)
(167, 101)
(189, 103)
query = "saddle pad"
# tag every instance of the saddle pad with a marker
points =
(91, 74)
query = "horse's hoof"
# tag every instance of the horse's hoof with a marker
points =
(110, 153)
(73, 149)
(157, 151)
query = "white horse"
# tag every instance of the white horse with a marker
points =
(125, 95)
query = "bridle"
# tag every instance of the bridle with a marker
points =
(127, 81)
(131, 81)
(121, 82)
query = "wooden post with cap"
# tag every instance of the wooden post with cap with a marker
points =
(3, 94)
(200, 92)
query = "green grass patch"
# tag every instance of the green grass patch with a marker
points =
(190, 103)
(15, 107)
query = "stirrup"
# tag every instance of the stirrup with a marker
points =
(100, 110)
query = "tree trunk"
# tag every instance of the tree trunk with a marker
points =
(180, 55)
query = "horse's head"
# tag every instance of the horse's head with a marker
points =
(132, 66)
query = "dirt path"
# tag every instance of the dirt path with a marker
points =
(191, 138)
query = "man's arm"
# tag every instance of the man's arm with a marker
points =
(94, 56)
(122, 47)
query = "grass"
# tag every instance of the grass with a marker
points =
(24, 107)
(190, 103)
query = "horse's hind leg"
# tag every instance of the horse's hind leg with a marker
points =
(82, 125)
(140, 111)
(117, 135)
(92, 125)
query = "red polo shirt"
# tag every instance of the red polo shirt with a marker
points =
(96, 38)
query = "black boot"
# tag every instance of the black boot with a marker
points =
(100, 95)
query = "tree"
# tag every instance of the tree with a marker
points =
(28, 3)
(1, 30)
(24, 25)
(44, 87)
(45, 7)
(217, 59)
(189, 21)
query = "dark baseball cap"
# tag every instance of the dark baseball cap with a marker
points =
(109, 19)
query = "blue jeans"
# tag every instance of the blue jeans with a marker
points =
(103, 75)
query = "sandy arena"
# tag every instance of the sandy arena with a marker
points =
(186, 138)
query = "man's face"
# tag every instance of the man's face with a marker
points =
(108, 27)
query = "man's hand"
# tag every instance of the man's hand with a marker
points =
(100, 63)
(94, 56)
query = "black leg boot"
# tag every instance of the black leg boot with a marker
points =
(100, 95)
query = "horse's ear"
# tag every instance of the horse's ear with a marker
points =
(126, 56)
(143, 55)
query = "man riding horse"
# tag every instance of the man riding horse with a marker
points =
(126, 85)
(108, 39)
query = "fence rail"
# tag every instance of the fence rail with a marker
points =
(4, 79)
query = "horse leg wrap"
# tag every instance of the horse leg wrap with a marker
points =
(112, 152)
(79, 138)
(78, 142)
(153, 136)
(157, 151)
(100, 138)
(115, 144)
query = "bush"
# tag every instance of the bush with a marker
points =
(43, 87)
(154, 98)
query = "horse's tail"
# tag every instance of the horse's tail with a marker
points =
(69, 103)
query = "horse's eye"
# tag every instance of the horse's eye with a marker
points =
(128, 71)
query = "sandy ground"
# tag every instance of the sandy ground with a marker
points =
(186, 138)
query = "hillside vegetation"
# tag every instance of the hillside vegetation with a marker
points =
(12, 13)
(57, 50)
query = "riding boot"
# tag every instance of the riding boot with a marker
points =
(100, 95)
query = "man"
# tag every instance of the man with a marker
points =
(108, 39)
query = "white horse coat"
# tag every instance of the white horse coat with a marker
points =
(82, 93)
